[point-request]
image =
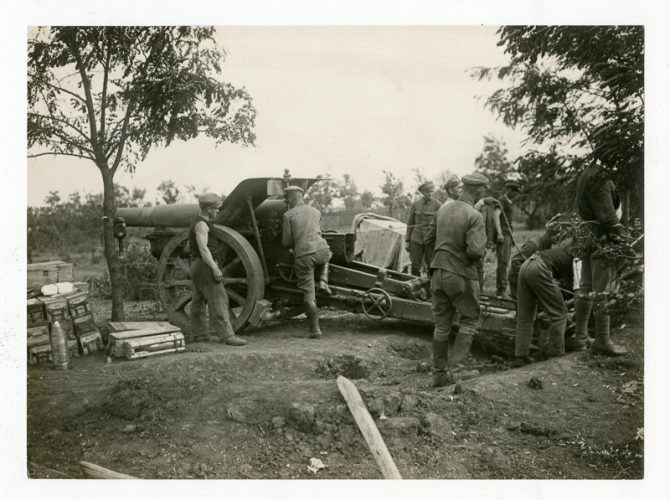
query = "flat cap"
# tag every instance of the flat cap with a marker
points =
(475, 179)
(452, 181)
(427, 186)
(209, 200)
(288, 189)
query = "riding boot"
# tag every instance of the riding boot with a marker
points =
(583, 307)
(461, 349)
(441, 374)
(603, 344)
(312, 314)
(323, 279)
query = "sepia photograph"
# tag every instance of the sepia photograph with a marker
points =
(336, 250)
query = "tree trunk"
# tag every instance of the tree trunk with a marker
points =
(111, 254)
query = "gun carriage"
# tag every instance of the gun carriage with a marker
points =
(258, 270)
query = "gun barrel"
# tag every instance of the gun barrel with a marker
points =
(161, 215)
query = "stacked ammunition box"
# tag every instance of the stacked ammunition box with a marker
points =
(45, 273)
(41, 314)
(39, 347)
(87, 334)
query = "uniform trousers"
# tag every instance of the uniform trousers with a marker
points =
(453, 297)
(418, 255)
(537, 284)
(207, 293)
(304, 271)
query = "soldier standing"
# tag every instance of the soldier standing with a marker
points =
(597, 201)
(459, 237)
(420, 215)
(302, 233)
(503, 222)
(208, 289)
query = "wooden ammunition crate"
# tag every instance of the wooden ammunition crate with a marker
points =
(142, 347)
(77, 304)
(39, 354)
(90, 342)
(38, 335)
(42, 353)
(57, 310)
(82, 286)
(141, 339)
(36, 314)
(44, 273)
(84, 325)
(56, 307)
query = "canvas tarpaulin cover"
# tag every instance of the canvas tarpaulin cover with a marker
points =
(380, 241)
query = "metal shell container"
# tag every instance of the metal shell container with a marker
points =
(59, 348)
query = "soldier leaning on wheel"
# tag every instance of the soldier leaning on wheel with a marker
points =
(459, 240)
(302, 233)
(208, 289)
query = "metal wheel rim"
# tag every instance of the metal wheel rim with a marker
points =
(383, 295)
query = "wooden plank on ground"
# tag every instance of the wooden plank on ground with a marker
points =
(368, 428)
(122, 326)
(147, 332)
(92, 471)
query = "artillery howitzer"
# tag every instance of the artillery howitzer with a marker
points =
(258, 270)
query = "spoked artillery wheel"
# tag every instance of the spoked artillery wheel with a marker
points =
(242, 277)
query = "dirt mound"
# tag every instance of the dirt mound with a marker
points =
(265, 410)
(410, 349)
(347, 365)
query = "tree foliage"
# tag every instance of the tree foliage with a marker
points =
(494, 164)
(169, 192)
(394, 193)
(110, 94)
(578, 92)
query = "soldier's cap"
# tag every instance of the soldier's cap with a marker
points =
(514, 184)
(209, 200)
(427, 186)
(288, 189)
(452, 181)
(475, 179)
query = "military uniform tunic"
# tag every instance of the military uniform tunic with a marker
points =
(421, 214)
(459, 239)
(302, 232)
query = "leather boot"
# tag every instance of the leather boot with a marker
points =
(603, 344)
(323, 280)
(441, 374)
(582, 340)
(461, 349)
(312, 314)
(234, 340)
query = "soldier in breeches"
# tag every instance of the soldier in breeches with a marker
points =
(208, 289)
(597, 201)
(302, 233)
(420, 214)
(459, 239)
(538, 282)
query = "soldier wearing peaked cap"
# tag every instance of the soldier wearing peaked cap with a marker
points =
(420, 215)
(302, 233)
(459, 239)
(207, 278)
(502, 217)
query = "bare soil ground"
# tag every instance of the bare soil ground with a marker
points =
(264, 410)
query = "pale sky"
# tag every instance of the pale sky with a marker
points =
(330, 100)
